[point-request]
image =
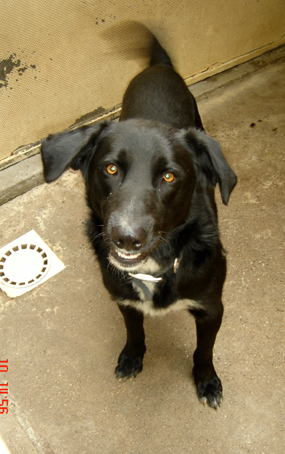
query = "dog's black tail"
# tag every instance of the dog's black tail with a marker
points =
(159, 56)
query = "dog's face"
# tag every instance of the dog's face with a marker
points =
(140, 178)
(140, 182)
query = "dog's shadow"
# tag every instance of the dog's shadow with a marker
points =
(131, 40)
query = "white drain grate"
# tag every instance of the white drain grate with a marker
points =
(26, 263)
(23, 265)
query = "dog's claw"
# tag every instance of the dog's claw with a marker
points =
(212, 401)
(128, 367)
(210, 392)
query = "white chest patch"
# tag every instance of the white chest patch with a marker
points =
(145, 304)
(147, 268)
(149, 285)
(148, 308)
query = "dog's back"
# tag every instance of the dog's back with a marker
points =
(159, 93)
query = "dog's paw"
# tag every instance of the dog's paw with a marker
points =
(128, 367)
(209, 390)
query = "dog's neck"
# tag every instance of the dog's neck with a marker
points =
(156, 277)
(140, 278)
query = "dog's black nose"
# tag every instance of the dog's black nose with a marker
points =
(130, 240)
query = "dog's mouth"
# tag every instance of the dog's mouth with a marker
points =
(126, 260)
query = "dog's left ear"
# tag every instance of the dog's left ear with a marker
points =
(69, 149)
(210, 163)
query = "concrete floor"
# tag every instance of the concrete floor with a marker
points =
(63, 338)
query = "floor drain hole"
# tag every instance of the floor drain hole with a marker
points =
(26, 263)
(23, 265)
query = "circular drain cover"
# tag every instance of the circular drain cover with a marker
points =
(23, 265)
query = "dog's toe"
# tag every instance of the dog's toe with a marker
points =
(128, 367)
(210, 391)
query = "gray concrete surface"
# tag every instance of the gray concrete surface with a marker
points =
(63, 338)
(20, 178)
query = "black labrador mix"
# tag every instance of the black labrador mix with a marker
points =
(150, 182)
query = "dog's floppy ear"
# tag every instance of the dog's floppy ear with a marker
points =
(210, 163)
(69, 149)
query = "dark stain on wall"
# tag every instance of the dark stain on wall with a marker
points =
(89, 116)
(8, 65)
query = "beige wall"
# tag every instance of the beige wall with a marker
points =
(58, 63)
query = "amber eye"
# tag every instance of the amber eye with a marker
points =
(112, 169)
(169, 177)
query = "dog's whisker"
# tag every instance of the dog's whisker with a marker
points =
(95, 237)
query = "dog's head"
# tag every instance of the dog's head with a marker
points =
(141, 177)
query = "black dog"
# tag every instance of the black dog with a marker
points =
(150, 182)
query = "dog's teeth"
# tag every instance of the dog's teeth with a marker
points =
(127, 256)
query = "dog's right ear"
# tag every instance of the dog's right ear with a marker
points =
(210, 163)
(69, 149)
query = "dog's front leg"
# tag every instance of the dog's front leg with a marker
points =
(209, 387)
(130, 361)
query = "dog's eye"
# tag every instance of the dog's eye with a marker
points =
(112, 169)
(168, 177)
